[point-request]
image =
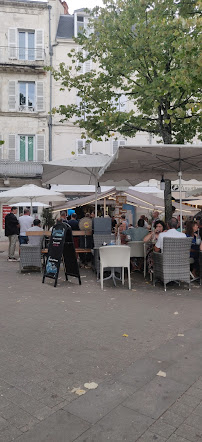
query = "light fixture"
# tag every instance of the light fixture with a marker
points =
(162, 183)
(6, 182)
(98, 188)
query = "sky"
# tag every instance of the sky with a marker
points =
(77, 4)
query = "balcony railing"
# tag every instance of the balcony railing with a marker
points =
(23, 108)
(23, 169)
(22, 56)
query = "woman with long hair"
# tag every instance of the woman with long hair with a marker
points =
(151, 239)
(192, 232)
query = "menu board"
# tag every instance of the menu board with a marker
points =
(61, 246)
(5, 211)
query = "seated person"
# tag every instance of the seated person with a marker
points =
(35, 240)
(170, 233)
(151, 238)
(192, 232)
(137, 233)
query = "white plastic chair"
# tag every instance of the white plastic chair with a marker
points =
(137, 250)
(115, 256)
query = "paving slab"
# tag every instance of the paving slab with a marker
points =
(191, 433)
(61, 426)
(151, 437)
(156, 397)
(53, 341)
(118, 426)
(95, 404)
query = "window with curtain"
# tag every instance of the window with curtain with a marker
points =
(26, 150)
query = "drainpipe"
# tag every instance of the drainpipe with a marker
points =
(50, 123)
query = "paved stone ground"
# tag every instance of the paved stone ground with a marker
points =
(53, 341)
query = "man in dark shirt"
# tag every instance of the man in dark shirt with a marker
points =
(12, 231)
(73, 222)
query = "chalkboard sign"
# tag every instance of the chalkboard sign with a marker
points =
(71, 267)
(61, 246)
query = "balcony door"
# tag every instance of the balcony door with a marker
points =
(26, 148)
(26, 45)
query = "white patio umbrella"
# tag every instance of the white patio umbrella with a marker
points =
(133, 164)
(27, 204)
(32, 193)
(83, 169)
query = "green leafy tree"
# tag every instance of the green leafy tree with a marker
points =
(48, 220)
(150, 53)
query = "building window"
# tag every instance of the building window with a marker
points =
(26, 45)
(26, 148)
(26, 96)
(82, 147)
(80, 24)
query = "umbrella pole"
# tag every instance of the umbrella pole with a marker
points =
(31, 207)
(96, 184)
(180, 189)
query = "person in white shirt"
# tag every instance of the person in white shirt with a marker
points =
(170, 233)
(35, 240)
(25, 221)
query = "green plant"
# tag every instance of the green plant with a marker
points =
(48, 220)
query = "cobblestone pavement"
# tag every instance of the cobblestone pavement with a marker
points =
(55, 340)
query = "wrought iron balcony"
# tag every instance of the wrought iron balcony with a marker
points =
(20, 169)
(19, 57)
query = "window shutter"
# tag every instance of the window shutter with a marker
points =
(39, 44)
(87, 148)
(40, 148)
(115, 146)
(12, 96)
(1, 148)
(11, 147)
(39, 96)
(80, 147)
(87, 64)
(12, 43)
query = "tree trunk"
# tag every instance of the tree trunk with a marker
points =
(168, 200)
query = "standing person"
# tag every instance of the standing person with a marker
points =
(155, 217)
(114, 223)
(73, 222)
(12, 231)
(63, 217)
(25, 221)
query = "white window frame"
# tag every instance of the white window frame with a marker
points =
(83, 149)
(26, 31)
(120, 105)
(26, 148)
(85, 23)
(25, 108)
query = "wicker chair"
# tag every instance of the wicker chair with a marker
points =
(174, 263)
(30, 257)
